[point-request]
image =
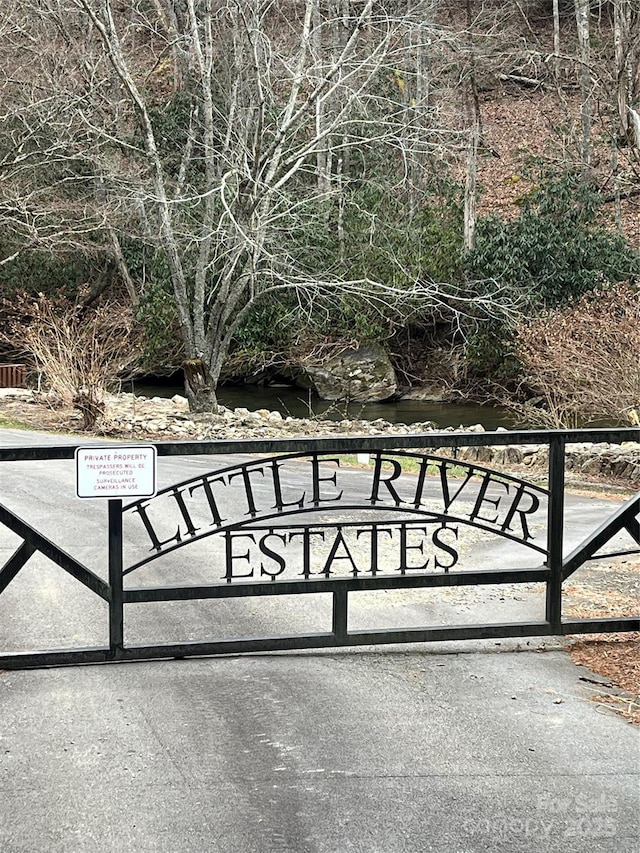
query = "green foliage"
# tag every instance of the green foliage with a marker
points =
(553, 253)
(349, 319)
(386, 240)
(441, 239)
(40, 272)
(278, 327)
(556, 250)
(402, 246)
(383, 239)
(375, 243)
(157, 312)
(490, 355)
(170, 122)
(268, 327)
(157, 316)
(361, 324)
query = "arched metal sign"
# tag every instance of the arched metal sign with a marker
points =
(304, 515)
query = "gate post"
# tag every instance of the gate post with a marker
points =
(555, 532)
(116, 621)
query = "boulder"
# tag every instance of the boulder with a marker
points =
(363, 375)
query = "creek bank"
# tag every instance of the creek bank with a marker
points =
(137, 417)
(134, 417)
(350, 374)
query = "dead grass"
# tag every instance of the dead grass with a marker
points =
(617, 658)
(38, 413)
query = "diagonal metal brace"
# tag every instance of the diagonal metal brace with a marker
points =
(37, 542)
(14, 564)
(623, 519)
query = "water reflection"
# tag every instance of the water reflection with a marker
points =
(300, 404)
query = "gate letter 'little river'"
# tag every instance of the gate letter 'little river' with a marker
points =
(272, 531)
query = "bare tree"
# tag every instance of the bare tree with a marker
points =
(586, 84)
(556, 39)
(267, 103)
(626, 36)
(52, 194)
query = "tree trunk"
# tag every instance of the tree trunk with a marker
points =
(122, 266)
(199, 386)
(584, 43)
(475, 119)
(556, 39)
(324, 180)
(470, 190)
(624, 70)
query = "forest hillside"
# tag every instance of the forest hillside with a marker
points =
(244, 188)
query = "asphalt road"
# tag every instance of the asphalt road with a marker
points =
(450, 747)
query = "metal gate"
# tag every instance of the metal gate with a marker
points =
(289, 521)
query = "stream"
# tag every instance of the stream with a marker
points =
(301, 404)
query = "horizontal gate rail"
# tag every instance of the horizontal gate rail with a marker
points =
(335, 639)
(138, 595)
(552, 573)
(346, 444)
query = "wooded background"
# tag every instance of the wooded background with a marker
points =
(249, 182)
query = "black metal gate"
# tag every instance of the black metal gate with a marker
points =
(320, 536)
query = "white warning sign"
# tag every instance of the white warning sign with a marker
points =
(116, 472)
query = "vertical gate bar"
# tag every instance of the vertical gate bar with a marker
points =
(555, 531)
(340, 608)
(116, 620)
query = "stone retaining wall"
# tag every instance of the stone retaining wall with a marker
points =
(166, 419)
(134, 417)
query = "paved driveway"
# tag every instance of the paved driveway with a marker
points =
(451, 747)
